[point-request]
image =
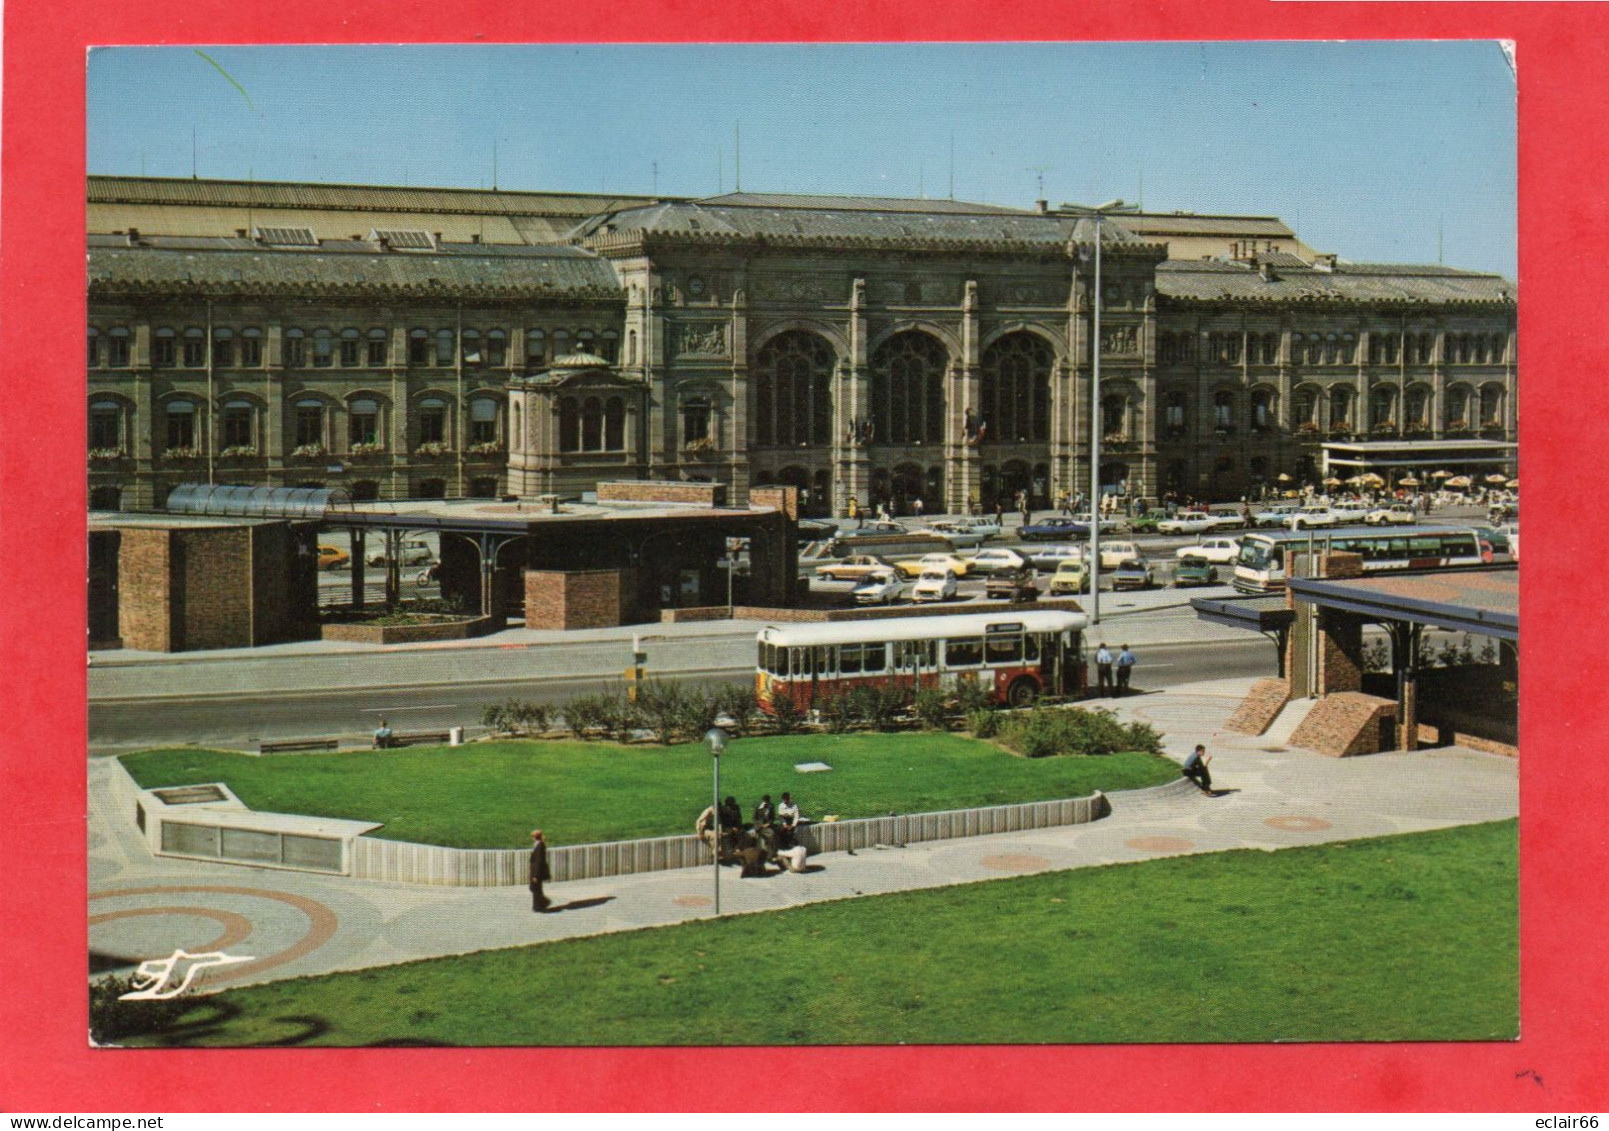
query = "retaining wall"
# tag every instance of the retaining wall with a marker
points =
(403, 862)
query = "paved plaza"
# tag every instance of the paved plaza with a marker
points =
(294, 924)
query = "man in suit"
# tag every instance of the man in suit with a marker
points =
(539, 870)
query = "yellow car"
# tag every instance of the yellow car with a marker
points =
(333, 557)
(915, 567)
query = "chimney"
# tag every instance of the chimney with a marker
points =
(1324, 262)
(133, 237)
(475, 238)
(1042, 206)
(240, 233)
(1266, 270)
(385, 244)
(438, 238)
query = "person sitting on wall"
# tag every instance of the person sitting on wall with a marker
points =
(788, 820)
(704, 827)
(731, 825)
(382, 736)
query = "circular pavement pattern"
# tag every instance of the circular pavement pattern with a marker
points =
(1014, 862)
(1160, 843)
(1298, 824)
(322, 922)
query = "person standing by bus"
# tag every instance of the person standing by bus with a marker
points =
(1103, 669)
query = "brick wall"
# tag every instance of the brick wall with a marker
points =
(212, 580)
(566, 599)
(662, 491)
(1347, 724)
(144, 577)
(1261, 707)
(784, 499)
(1340, 656)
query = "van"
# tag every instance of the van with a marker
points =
(413, 551)
(1114, 554)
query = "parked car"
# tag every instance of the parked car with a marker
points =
(1049, 557)
(869, 529)
(1193, 522)
(1276, 515)
(882, 587)
(415, 551)
(1221, 551)
(1313, 516)
(1350, 510)
(1051, 528)
(982, 523)
(1070, 577)
(333, 557)
(1194, 570)
(1021, 584)
(1146, 523)
(1397, 514)
(913, 567)
(935, 585)
(1115, 553)
(1496, 535)
(1081, 520)
(962, 537)
(1512, 529)
(852, 568)
(1133, 573)
(987, 561)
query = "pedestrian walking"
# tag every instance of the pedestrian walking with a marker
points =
(1195, 768)
(539, 871)
(916, 506)
(1103, 669)
(1125, 667)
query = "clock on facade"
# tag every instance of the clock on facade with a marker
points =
(695, 286)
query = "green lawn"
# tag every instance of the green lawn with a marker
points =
(1402, 938)
(491, 794)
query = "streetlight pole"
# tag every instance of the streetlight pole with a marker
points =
(716, 738)
(1099, 212)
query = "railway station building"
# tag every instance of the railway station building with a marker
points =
(411, 343)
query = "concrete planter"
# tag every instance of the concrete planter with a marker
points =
(448, 628)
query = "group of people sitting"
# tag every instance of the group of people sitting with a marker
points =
(770, 838)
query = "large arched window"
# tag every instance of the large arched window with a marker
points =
(1491, 406)
(1115, 417)
(1458, 409)
(1416, 409)
(106, 427)
(1173, 413)
(363, 422)
(1341, 398)
(181, 425)
(432, 420)
(792, 378)
(614, 425)
(1383, 407)
(592, 425)
(1304, 408)
(1262, 410)
(908, 389)
(1223, 411)
(569, 425)
(1015, 388)
(239, 432)
(483, 421)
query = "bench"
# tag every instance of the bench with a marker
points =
(421, 738)
(295, 745)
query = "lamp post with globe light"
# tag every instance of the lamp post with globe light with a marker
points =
(715, 738)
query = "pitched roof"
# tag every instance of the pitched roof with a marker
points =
(859, 225)
(179, 265)
(857, 203)
(1216, 280)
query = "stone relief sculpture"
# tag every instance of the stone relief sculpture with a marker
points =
(701, 340)
(1119, 339)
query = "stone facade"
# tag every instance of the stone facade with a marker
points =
(886, 350)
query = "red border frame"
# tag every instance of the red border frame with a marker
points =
(1557, 1066)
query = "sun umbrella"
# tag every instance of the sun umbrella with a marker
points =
(1497, 478)
(1441, 475)
(1458, 481)
(1283, 478)
(1410, 481)
(1373, 479)
(1514, 483)
(1332, 482)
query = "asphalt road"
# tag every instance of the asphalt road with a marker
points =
(239, 718)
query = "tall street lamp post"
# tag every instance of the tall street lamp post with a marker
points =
(715, 737)
(1099, 212)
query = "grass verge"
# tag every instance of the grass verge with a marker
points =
(1401, 938)
(491, 794)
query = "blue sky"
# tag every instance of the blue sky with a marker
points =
(1368, 149)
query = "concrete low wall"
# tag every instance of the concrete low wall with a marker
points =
(404, 862)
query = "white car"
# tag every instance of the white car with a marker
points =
(1512, 529)
(1218, 551)
(1396, 514)
(960, 536)
(987, 561)
(1114, 554)
(935, 585)
(1049, 557)
(1313, 516)
(1275, 515)
(415, 551)
(981, 523)
(1192, 522)
(1348, 510)
(881, 588)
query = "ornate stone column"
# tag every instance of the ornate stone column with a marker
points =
(852, 401)
(962, 462)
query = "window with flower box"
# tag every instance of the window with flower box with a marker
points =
(106, 427)
(238, 416)
(483, 421)
(309, 423)
(180, 419)
(432, 420)
(363, 423)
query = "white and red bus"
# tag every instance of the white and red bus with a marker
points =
(1017, 656)
(1260, 566)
